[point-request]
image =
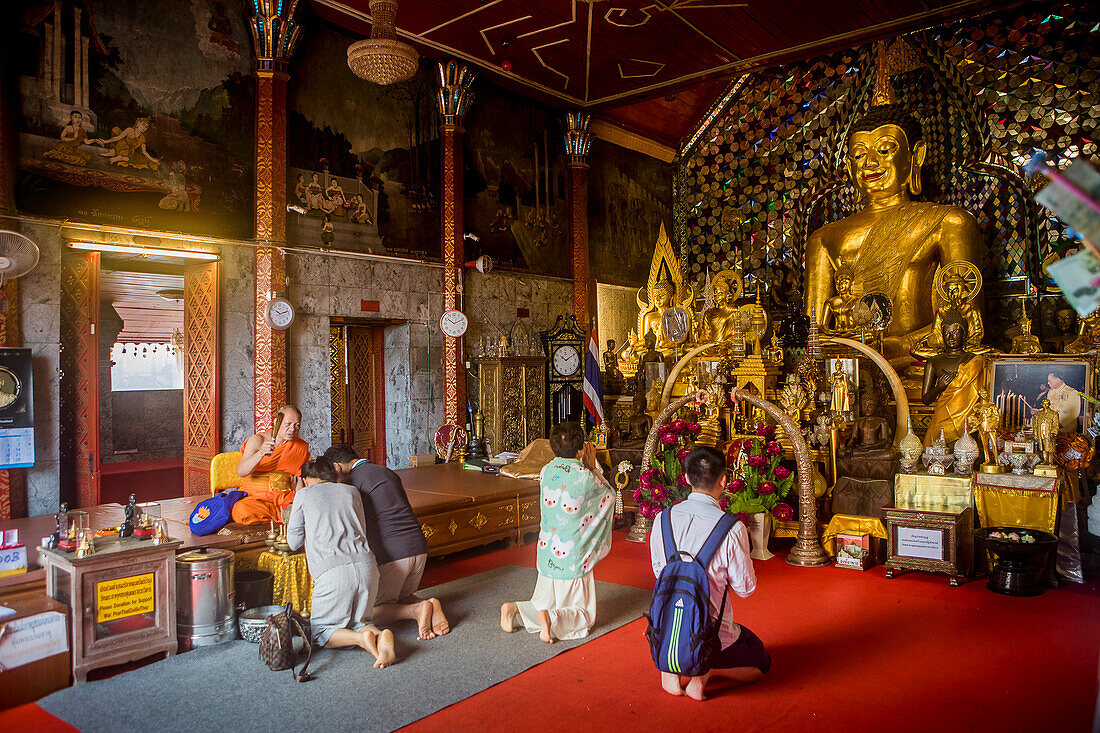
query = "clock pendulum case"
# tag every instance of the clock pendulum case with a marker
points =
(564, 344)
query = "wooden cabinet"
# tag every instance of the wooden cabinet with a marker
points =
(122, 601)
(512, 397)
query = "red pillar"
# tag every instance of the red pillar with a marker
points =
(455, 95)
(274, 35)
(578, 139)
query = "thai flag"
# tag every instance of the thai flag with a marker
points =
(593, 389)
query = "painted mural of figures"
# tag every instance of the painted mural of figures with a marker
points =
(359, 212)
(328, 233)
(127, 147)
(315, 193)
(174, 176)
(337, 203)
(300, 189)
(73, 135)
(504, 218)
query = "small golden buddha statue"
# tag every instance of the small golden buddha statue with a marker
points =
(836, 317)
(894, 244)
(773, 352)
(717, 323)
(841, 402)
(1045, 424)
(666, 288)
(986, 418)
(653, 398)
(952, 380)
(1086, 334)
(955, 286)
(1026, 342)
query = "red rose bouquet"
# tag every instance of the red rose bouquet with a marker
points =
(663, 482)
(762, 482)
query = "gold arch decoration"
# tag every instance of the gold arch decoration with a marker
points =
(807, 550)
(664, 259)
(900, 399)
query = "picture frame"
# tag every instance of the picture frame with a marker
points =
(1018, 383)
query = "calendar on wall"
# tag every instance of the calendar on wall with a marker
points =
(16, 409)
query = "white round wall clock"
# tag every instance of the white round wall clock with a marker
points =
(567, 360)
(453, 323)
(280, 313)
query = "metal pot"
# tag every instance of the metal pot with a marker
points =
(205, 614)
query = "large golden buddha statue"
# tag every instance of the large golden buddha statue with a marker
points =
(894, 244)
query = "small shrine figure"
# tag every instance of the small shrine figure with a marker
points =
(841, 402)
(1086, 338)
(59, 520)
(613, 380)
(773, 352)
(793, 398)
(872, 438)
(651, 355)
(640, 423)
(987, 419)
(956, 284)
(836, 317)
(1045, 425)
(795, 326)
(1026, 342)
(130, 513)
(709, 403)
(952, 379)
(1065, 321)
(653, 398)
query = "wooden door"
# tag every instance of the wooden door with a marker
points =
(79, 436)
(366, 407)
(201, 413)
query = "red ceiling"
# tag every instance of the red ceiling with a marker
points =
(617, 56)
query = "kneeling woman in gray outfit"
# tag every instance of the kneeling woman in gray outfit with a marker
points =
(327, 518)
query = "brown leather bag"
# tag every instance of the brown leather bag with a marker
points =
(277, 644)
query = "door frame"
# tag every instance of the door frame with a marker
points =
(341, 398)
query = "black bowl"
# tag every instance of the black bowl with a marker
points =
(1043, 541)
(1013, 574)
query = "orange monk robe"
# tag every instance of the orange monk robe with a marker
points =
(956, 402)
(264, 503)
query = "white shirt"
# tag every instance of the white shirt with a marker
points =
(692, 521)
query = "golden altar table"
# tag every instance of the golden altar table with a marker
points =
(293, 583)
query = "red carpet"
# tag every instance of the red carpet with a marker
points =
(850, 651)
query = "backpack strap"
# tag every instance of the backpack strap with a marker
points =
(667, 539)
(717, 537)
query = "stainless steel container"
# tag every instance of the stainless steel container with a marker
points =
(205, 612)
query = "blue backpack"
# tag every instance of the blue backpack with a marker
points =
(683, 638)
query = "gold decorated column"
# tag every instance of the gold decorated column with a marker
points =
(578, 139)
(274, 36)
(12, 481)
(454, 97)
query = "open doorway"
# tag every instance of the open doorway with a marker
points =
(141, 384)
(358, 387)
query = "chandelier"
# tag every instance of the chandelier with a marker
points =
(382, 58)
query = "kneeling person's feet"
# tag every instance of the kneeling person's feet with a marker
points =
(544, 626)
(440, 625)
(424, 612)
(508, 613)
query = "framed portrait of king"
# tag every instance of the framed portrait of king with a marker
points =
(1018, 385)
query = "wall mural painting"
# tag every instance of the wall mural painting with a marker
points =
(514, 183)
(363, 164)
(150, 130)
(629, 197)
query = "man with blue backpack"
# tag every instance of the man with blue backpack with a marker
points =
(699, 553)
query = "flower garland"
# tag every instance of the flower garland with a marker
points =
(664, 483)
(763, 483)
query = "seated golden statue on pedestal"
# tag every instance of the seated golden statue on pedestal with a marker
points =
(955, 286)
(720, 323)
(952, 380)
(1025, 342)
(666, 289)
(894, 244)
(836, 318)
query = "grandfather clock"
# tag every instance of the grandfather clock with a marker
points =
(564, 369)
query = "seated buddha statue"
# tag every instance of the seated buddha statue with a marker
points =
(953, 380)
(662, 294)
(955, 294)
(1025, 342)
(869, 451)
(894, 243)
(836, 318)
(718, 323)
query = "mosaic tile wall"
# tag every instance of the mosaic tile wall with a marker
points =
(763, 171)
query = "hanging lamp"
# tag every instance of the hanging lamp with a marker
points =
(382, 58)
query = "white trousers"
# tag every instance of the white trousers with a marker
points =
(570, 603)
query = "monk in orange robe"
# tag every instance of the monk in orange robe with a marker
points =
(282, 452)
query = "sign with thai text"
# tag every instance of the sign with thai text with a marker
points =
(29, 639)
(124, 597)
(923, 543)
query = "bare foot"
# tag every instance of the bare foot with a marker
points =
(695, 686)
(544, 624)
(440, 625)
(671, 683)
(508, 617)
(386, 654)
(424, 612)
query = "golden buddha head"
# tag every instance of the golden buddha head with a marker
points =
(663, 292)
(845, 277)
(955, 288)
(886, 152)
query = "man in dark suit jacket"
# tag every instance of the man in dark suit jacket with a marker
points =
(396, 540)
